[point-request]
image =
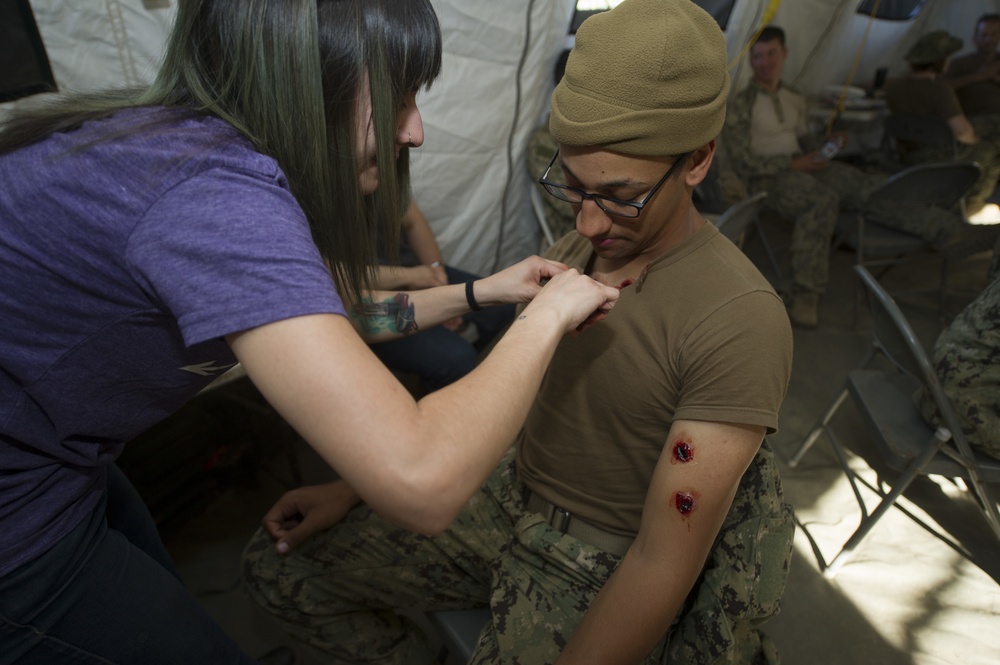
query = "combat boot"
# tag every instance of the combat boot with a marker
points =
(804, 311)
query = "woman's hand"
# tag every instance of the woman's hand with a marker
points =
(575, 297)
(578, 300)
(517, 284)
(305, 511)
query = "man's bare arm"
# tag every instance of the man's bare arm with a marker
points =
(692, 490)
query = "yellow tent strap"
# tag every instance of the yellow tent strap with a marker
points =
(769, 13)
(839, 107)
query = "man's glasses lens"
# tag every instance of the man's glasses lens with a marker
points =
(572, 195)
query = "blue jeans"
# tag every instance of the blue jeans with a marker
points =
(439, 355)
(108, 593)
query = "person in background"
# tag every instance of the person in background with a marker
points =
(151, 239)
(923, 92)
(976, 76)
(768, 143)
(966, 358)
(639, 515)
(445, 353)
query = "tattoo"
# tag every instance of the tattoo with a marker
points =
(393, 315)
(522, 317)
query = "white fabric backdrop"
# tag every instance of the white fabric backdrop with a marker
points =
(470, 176)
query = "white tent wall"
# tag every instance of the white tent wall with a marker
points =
(824, 37)
(95, 44)
(469, 177)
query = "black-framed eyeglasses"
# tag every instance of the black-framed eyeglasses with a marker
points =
(610, 205)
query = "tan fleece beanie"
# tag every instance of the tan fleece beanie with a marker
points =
(647, 78)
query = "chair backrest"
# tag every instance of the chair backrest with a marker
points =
(921, 129)
(895, 338)
(737, 217)
(941, 184)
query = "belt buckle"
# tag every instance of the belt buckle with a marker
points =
(560, 519)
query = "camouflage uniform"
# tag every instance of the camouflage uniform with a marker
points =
(813, 201)
(558, 214)
(338, 590)
(966, 357)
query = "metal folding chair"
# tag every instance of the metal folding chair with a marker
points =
(919, 130)
(733, 222)
(902, 438)
(459, 631)
(941, 185)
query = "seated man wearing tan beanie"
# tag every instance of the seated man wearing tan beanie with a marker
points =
(639, 516)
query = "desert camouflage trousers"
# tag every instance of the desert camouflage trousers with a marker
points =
(339, 590)
(966, 358)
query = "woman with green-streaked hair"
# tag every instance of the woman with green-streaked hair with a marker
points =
(151, 239)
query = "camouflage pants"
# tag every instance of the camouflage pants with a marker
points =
(813, 202)
(966, 358)
(986, 153)
(339, 591)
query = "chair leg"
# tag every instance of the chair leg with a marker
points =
(989, 503)
(767, 249)
(887, 502)
(818, 429)
(943, 296)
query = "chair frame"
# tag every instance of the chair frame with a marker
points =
(899, 247)
(919, 128)
(735, 220)
(946, 451)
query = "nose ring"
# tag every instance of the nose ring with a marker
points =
(409, 137)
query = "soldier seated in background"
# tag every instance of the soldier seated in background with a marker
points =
(976, 76)
(768, 143)
(924, 92)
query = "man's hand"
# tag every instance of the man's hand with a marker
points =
(809, 163)
(305, 511)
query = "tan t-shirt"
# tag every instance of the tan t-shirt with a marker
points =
(778, 120)
(702, 337)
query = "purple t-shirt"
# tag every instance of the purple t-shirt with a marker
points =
(123, 263)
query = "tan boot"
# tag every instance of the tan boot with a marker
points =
(804, 311)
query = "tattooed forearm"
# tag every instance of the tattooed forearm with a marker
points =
(393, 315)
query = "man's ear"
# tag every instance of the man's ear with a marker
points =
(701, 160)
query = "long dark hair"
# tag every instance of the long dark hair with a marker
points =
(286, 74)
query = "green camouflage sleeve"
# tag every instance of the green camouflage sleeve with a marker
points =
(736, 136)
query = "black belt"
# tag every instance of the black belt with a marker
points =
(565, 522)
